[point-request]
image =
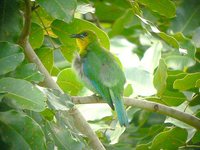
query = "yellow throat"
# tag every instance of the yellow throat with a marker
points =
(82, 44)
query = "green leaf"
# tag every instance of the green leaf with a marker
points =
(64, 30)
(10, 57)
(160, 77)
(197, 83)
(1, 97)
(123, 22)
(20, 131)
(141, 77)
(22, 94)
(187, 109)
(178, 62)
(165, 7)
(44, 16)
(168, 39)
(191, 130)
(108, 11)
(58, 101)
(46, 56)
(60, 9)
(154, 120)
(143, 117)
(59, 61)
(143, 146)
(149, 134)
(36, 35)
(155, 99)
(170, 139)
(173, 98)
(28, 72)
(196, 67)
(61, 132)
(188, 82)
(116, 133)
(195, 100)
(196, 137)
(151, 57)
(55, 71)
(185, 44)
(10, 20)
(196, 38)
(69, 82)
(187, 17)
(123, 52)
(48, 114)
(153, 29)
(185, 57)
(64, 138)
(128, 90)
(141, 80)
(67, 52)
(172, 76)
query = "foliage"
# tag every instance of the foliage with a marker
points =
(157, 43)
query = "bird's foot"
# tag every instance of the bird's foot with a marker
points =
(97, 96)
(94, 94)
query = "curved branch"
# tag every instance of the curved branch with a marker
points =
(79, 120)
(27, 24)
(147, 105)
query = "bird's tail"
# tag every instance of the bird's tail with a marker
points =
(119, 107)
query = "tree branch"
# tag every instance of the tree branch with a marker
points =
(96, 20)
(27, 24)
(147, 105)
(80, 122)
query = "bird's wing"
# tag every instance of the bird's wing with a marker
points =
(102, 66)
(110, 72)
(91, 65)
(104, 73)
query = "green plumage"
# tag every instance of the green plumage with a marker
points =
(101, 74)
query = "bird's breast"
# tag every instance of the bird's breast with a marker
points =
(78, 65)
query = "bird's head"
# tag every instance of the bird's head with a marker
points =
(84, 38)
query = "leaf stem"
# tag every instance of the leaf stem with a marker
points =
(189, 146)
(96, 20)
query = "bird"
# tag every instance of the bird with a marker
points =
(100, 72)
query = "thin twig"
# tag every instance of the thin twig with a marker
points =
(189, 146)
(96, 20)
(45, 28)
(147, 105)
(186, 106)
(35, 7)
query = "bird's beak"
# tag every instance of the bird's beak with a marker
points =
(75, 36)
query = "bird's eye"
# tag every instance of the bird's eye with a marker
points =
(84, 35)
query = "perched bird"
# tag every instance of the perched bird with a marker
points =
(100, 72)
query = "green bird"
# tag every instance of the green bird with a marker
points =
(100, 72)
